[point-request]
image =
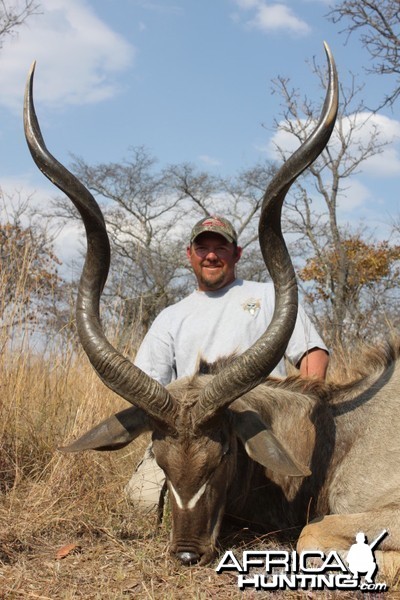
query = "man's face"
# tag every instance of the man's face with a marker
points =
(213, 260)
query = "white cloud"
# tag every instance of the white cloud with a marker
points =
(356, 195)
(387, 163)
(269, 17)
(78, 56)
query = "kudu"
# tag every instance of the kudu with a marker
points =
(234, 443)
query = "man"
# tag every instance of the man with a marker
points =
(222, 316)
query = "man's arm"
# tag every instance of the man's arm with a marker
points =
(314, 363)
(156, 355)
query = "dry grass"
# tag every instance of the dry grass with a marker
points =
(50, 501)
(53, 505)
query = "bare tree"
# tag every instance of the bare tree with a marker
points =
(31, 288)
(13, 14)
(143, 218)
(378, 22)
(312, 210)
(149, 214)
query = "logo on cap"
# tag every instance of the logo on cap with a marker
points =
(215, 225)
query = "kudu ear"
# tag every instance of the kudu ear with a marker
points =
(113, 433)
(263, 446)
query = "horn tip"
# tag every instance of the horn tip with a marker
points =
(29, 81)
(327, 49)
(32, 68)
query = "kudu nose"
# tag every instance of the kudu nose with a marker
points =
(188, 558)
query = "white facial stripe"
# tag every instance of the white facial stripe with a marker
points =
(177, 498)
(193, 501)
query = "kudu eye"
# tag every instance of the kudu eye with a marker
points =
(226, 448)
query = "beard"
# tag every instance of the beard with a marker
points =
(213, 282)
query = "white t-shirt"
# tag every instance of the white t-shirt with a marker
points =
(211, 325)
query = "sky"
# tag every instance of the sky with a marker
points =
(190, 80)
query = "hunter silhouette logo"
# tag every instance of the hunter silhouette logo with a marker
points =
(307, 570)
(361, 559)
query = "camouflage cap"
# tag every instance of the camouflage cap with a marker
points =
(215, 225)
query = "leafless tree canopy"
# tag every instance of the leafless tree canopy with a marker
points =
(378, 23)
(342, 311)
(13, 14)
(149, 213)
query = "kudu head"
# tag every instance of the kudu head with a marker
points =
(197, 422)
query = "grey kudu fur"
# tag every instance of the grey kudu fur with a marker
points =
(204, 416)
